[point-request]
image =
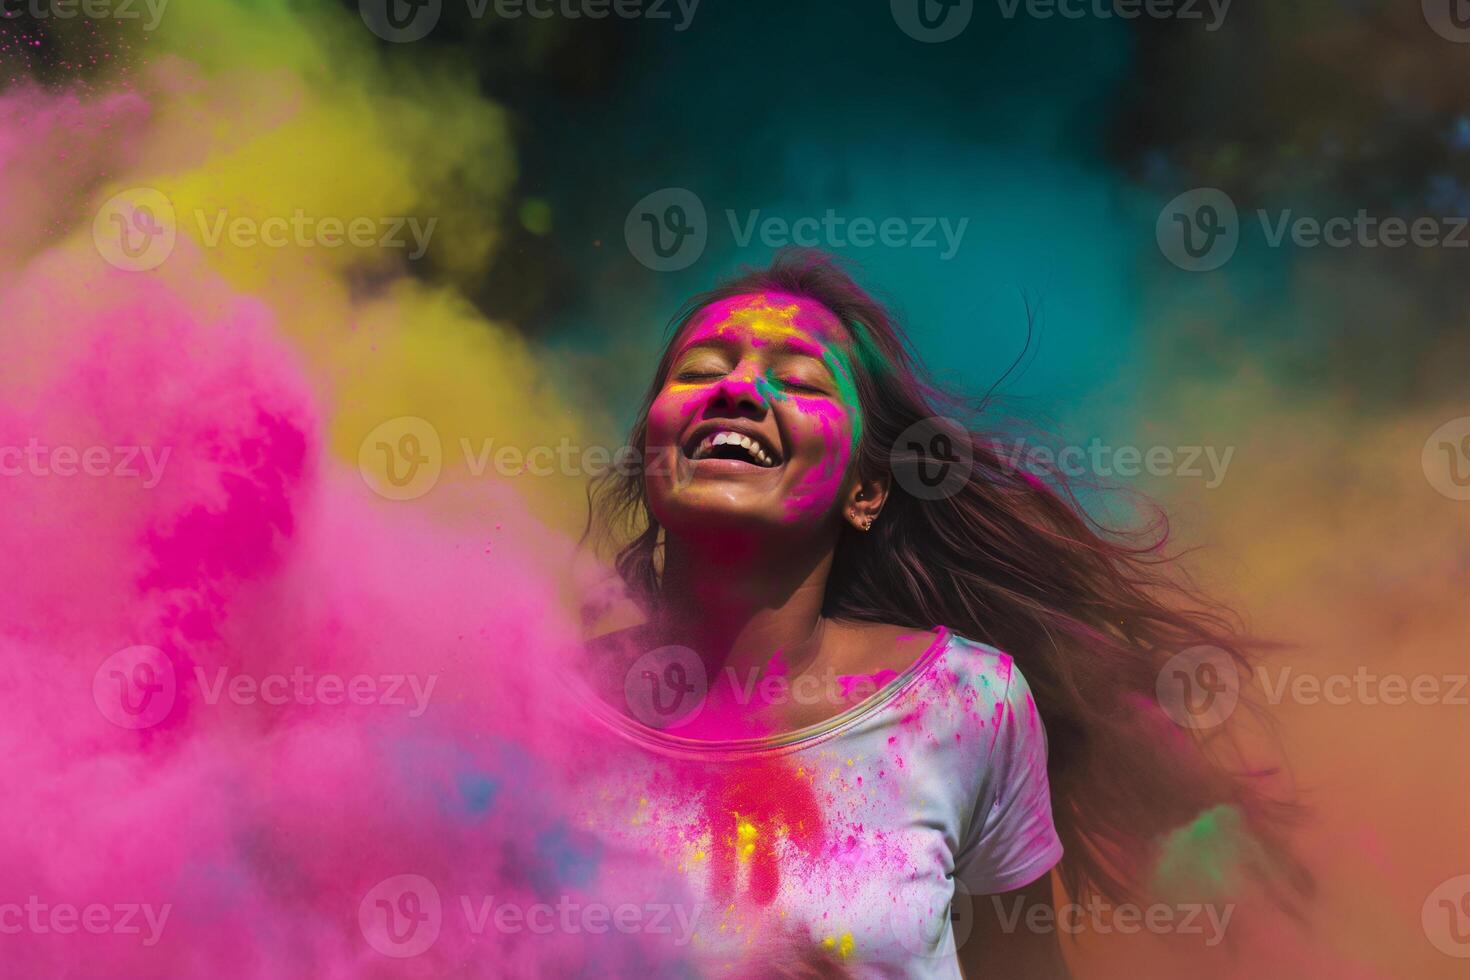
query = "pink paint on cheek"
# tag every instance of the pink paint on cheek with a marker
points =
(820, 486)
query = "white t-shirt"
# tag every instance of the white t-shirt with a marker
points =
(838, 847)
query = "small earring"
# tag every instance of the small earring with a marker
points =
(868, 524)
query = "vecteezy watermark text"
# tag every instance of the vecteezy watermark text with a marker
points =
(833, 230)
(36, 459)
(329, 690)
(1200, 230)
(1362, 686)
(670, 686)
(403, 916)
(936, 21)
(137, 688)
(1200, 687)
(136, 230)
(1099, 459)
(403, 458)
(1099, 916)
(1211, 11)
(65, 919)
(88, 9)
(668, 230)
(571, 916)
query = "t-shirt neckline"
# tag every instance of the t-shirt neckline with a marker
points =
(671, 743)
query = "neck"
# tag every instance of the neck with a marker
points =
(739, 602)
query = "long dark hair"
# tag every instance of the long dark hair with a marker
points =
(1012, 558)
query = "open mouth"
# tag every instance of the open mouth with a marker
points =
(731, 445)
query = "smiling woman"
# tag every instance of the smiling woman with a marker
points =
(779, 544)
(758, 420)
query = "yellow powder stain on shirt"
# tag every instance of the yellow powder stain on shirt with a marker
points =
(745, 836)
(841, 945)
(692, 859)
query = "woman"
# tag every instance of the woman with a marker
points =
(858, 617)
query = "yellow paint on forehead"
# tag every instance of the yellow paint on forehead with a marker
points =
(768, 319)
(764, 319)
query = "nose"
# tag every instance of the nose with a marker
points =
(738, 394)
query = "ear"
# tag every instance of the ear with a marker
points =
(864, 500)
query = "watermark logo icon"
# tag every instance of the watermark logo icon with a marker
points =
(1446, 458)
(400, 21)
(1450, 19)
(135, 230)
(921, 931)
(932, 21)
(1199, 687)
(1446, 917)
(135, 688)
(933, 458)
(401, 459)
(1199, 230)
(667, 230)
(666, 688)
(401, 916)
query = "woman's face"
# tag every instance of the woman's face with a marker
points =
(757, 421)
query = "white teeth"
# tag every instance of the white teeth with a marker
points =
(752, 446)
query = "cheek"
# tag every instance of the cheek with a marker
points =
(667, 417)
(828, 441)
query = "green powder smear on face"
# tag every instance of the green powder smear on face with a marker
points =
(769, 390)
(842, 375)
(1205, 859)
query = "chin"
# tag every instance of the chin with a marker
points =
(696, 515)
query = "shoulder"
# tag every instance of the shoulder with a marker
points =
(985, 687)
(972, 664)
